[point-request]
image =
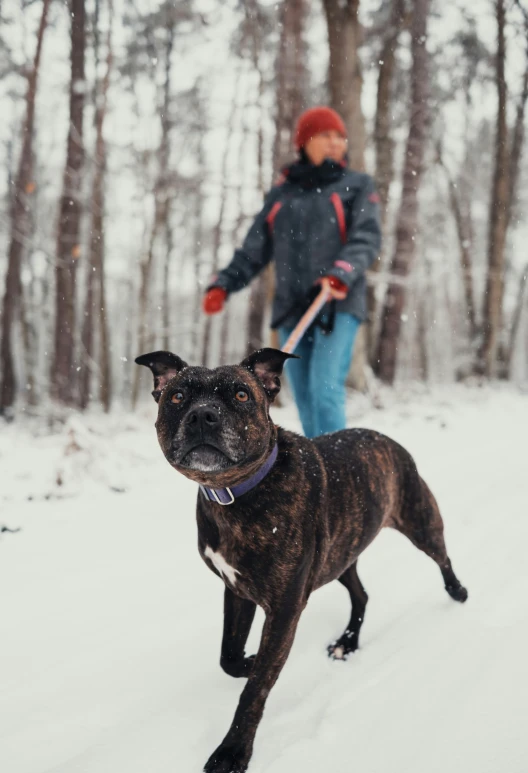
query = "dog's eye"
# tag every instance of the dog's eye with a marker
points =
(177, 397)
(242, 396)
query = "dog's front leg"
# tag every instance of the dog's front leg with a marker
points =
(234, 753)
(238, 616)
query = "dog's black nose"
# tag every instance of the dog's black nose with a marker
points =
(204, 416)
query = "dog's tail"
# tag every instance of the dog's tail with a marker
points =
(421, 522)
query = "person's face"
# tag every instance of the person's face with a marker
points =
(328, 144)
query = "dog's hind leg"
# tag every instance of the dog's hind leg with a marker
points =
(238, 617)
(422, 524)
(349, 641)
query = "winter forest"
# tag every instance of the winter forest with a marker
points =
(138, 141)
(139, 138)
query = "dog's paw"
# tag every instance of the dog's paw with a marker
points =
(345, 646)
(238, 668)
(228, 758)
(336, 652)
(457, 592)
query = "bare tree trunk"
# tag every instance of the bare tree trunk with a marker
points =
(87, 331)
(24, 186)
(161, 207)
(198, 230)
(346, 82)
(465, 242)
(384, 144)
(345, 78)
(236, 231)
(517, 144)
(165, 305)
(517, 140)
(504, 353)
(26, 309)
(498, 217)
(292, 79)
(105, 392)
(516, 319)
(68, 247)
(421, 333)
(383, 139)
(217, 234)
(95, 285)
(259, 288)
(29, 348)
(407, 223)
(257, 309)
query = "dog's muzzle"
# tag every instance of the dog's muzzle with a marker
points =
(204, 458)
(201, 447)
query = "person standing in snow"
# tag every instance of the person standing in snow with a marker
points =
(320, 220)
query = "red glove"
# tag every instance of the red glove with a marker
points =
(213, 300)
(339, 289)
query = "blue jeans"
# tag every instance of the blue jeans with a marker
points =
(318, 378)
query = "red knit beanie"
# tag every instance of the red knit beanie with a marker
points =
(315, 121)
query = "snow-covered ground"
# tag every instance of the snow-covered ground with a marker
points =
(110, 623)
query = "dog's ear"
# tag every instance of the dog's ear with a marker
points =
(164, 366)
(266, 365)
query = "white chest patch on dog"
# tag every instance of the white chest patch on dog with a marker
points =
(221, 565)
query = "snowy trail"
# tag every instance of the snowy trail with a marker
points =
(110, 623)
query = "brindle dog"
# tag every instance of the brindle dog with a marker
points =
(302, 526)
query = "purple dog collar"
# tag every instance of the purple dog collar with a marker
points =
(226, 496)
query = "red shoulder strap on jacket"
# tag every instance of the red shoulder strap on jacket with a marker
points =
(272, 215)
(340, 214)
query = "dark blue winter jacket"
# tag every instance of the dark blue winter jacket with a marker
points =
(319, 220)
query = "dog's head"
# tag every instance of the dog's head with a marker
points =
(213, 424)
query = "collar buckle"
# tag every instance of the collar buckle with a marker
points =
(217, 495)
(217, 498)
